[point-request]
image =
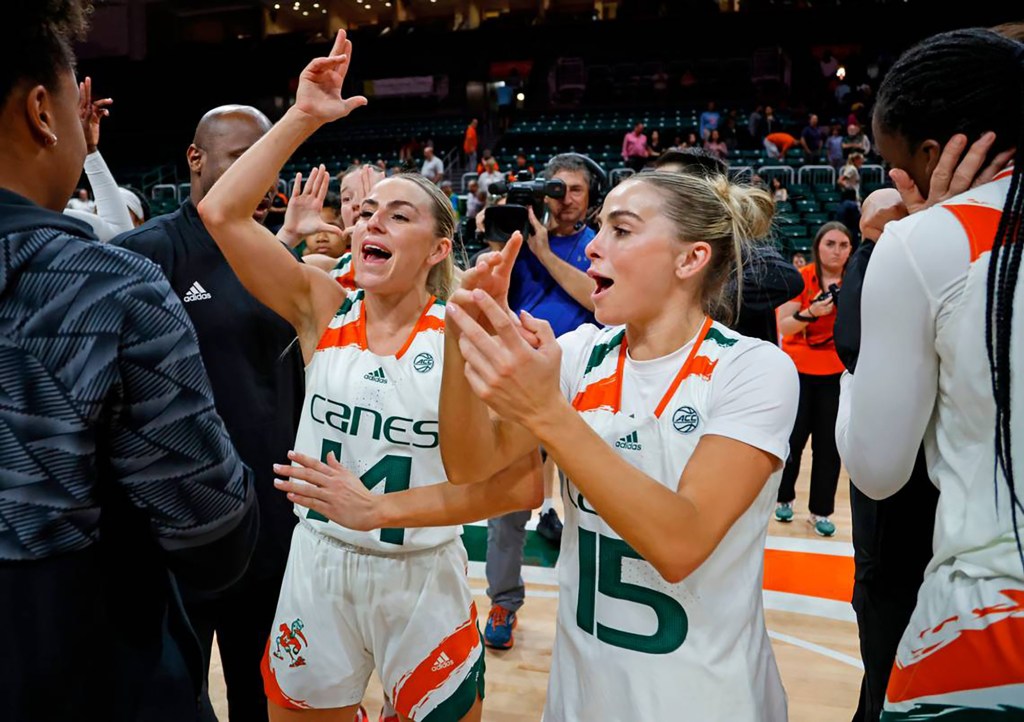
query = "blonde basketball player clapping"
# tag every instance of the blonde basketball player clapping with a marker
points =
(672, 430)
(389, 589)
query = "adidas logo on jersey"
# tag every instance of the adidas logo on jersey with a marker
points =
(443, 661)
(629, 441)
(196, 293)
(377, 376)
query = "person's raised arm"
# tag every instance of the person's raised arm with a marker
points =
(303, 295)
(475, 446)
(571, 279)
(110, 205)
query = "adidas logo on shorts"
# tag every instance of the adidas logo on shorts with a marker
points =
(629, 441)
(196, 293)
(443, 661)
(377, 376)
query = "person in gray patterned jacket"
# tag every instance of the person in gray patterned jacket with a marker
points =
(117, 477)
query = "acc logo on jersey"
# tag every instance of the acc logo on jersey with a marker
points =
(423, 362)
(685, 419)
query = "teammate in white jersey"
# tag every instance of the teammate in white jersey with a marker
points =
(672, 430)
(941, 348)
(388, 589)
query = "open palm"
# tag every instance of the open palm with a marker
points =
(319, 92)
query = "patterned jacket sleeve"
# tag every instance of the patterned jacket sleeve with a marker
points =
(169, 448)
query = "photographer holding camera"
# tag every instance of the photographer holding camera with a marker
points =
(549, 281)
(806, 324)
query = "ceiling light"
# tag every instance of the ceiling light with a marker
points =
(520, 97)
(367, 6)
(387, 5)
(324, 11)
(316, 5)
(305, 12)
(277, 6)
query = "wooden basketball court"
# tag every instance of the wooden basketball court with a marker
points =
(808, 581)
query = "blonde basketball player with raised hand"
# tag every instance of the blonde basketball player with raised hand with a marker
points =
(672, 431)
(386, 588)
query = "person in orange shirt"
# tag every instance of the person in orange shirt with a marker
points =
(805, 324)
(778, 144)
(469, 144)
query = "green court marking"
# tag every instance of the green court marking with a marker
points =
(539, 552)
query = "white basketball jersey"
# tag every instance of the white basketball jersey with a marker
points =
(378, 414)
(973, 523)
(344, 272)
(629, 644)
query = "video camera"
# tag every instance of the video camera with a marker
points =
(500, 222)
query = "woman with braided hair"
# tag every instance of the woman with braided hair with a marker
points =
(940, 339)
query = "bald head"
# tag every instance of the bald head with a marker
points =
(222, 136)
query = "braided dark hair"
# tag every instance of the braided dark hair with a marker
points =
(36, 38)
(971, 81)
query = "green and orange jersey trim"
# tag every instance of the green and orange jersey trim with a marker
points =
(352, 332)
(606, 392)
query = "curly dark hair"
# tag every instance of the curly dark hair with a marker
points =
(36, 38)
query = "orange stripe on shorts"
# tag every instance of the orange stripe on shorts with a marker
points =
(272, 689)
(428, 676)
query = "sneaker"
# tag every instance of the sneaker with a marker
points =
(498, 631)
(784, 512)
(550, 526)
(822, 525)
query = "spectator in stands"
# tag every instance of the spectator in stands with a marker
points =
(728, 133)
(490, 175)
(848, 212)
(469, 144)
(408, 152)
(778, 189)
(433, 167)
(331, 211)
(708, 121)
(811, 141)
(549, 281)
(770, 123)
(477, 201)
(81, 201)
(382, 166)
(806, 326)
(755, 122)
(634, 148)
(521, 164)
(856, 141)
(849, 175)
(834, 147)
(119, 480)
(453, 199)
(692, 141)
(485, 156)
(257, 378)
(776, 145)
(654, 147)
(715, 146)
(275, 214)
(799, 260)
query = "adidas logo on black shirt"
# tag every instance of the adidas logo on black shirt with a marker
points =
(196, 293)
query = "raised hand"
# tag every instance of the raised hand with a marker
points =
(329, 489)
(514, 377)
(950, 177)
(319, 92)
(302, 217)
(879, 208)
(90, 112)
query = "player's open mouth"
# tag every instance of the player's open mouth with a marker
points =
(603, 283)
(375, 253)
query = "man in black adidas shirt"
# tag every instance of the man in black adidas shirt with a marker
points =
(256, 374)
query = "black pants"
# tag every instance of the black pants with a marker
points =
(636, 162)
(242, 617)
(816, 418)
(892, 545)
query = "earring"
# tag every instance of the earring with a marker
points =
(52, 140)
